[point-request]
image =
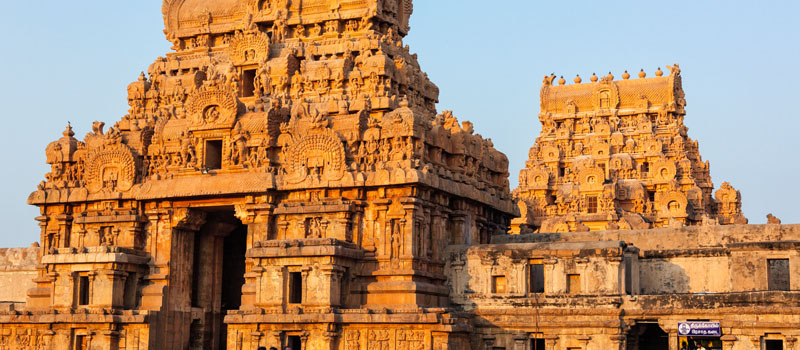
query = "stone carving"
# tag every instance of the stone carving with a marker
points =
(320, 155)
(113, 169)
(352, 340)
(212, 107)
(379, 339)
(601, 151)
(311, 123)
(410, 340)
(249, 47)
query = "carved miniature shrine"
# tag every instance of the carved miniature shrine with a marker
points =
(615, 154)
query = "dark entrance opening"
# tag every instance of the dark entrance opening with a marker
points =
(537, 344)
(233, 269)
(248, 83)
(772, 344)
(293, 342)
(295, 288)
(214, 154)
(217, 276)
(647, 336)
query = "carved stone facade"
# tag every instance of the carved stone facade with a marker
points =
(615, 154)
(632, 289)
(283, 179)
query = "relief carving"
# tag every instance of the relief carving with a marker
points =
(319, 155)
(410, 340)
(213, 106)
(379, 339)
(112, 169)
(249, 47)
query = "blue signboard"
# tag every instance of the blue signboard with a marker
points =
(699, 329)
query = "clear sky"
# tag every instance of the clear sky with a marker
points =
(71, 61)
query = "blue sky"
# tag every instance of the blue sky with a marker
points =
(71, 61)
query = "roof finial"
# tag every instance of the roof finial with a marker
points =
(642, 74)
(578, 79)
(68, 131)
(610, 76)
(626, 75)
(659, 72)
(562, 81)
(593, 78)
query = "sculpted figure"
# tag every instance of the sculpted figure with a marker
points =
(263, 82)
(188, 154)
(396, 239)
(239, 146)
(279, 28)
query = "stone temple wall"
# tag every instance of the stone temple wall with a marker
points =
(17, 271)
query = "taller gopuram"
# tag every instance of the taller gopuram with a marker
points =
(615, 155)
(282, 178)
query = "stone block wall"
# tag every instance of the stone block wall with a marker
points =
(17, 271)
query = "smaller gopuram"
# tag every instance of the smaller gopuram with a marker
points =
(615, 154)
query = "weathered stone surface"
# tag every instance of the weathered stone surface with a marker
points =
(283, 179)
(17, 270)
(615, 154)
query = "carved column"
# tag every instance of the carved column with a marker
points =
(276, 339)
(790, 342)
(304, 341)
(550, 342)
(673, 339)
(756, 342)
(584, 341)
(64, 222)
(727, 342)
(329, 338)
(488, 342)
(440, 341)
(111, 338)
(519, 341)
(617, 342)
(255, 339)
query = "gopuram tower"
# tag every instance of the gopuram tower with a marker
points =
(282, 178)
(615, 155)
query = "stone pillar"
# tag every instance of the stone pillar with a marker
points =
(111, 339)
(329, 338)
(276, 339)
(440, 341)
(488, 342)
(550, 342)
(618, 342)
(519, 341)
(673, 339)
(255, 339)
(756, 342)
(790, 342)
(727, 342)
(584, 341)
(304, 341)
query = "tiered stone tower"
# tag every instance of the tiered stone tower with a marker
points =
(282, 179)
(616, 155)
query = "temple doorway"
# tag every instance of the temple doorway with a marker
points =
(647, 336)
(217, 276)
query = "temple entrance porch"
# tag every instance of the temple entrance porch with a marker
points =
(217, 275)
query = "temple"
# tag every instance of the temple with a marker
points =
(616, 155)
(283, 179)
